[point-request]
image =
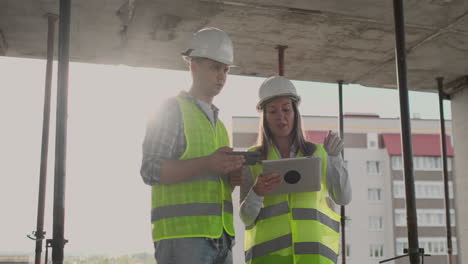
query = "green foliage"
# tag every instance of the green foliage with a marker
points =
(141, 258)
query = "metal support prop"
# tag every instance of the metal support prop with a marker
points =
(440, 87)
(58, 241)
(39, 233)
(281, 49)
(412, 223)
(342, 208)
(421, 252)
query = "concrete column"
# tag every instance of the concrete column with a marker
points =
(460, 139)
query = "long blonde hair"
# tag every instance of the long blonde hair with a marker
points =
(265, 136)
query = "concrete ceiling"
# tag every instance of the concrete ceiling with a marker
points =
(329, 40)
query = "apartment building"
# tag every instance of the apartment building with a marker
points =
(376, 217)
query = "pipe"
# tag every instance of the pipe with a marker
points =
(39, 233)
(281, 49)
(412, 222)
(443, 143)
(59, 241)
(342, 208)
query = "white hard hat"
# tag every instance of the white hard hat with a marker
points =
(276, 86)
(211, 43)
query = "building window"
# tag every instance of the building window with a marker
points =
(398, 189)
(422, 163)
(426, 217)
(375, 223)
(431, 245)
(376, 250)
(452, 217)
(450, 189)
(373, 167)
(430, 190)
(400, 217)
(423, 189)
(401, 244)
(347, 222)
(348, 250)
(397, 163)
(374, 194)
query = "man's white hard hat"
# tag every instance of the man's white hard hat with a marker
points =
(211, 43)
(276, 86)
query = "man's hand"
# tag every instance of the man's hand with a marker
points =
(222, 163)
(266, 183)
(175, 171)
(333, 144)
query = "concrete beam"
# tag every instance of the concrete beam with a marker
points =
(456, 85)
(3, 44)
(328, 40)
(435, 34)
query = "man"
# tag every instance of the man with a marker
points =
(185, 162)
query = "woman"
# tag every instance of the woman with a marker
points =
(294, 227)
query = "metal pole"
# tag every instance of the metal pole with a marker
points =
(59, 241)
(281, 49)
(440, 86)
(412, 222)
(342, 208)
(340, 105)
(39, 233)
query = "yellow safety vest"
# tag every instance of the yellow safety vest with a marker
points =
(201, 206)
(294, 228)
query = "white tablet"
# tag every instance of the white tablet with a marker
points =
(298, 174)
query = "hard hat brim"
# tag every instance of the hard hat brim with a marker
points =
(186, 56)
(262, 103)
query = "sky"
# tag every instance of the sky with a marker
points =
(107, 203)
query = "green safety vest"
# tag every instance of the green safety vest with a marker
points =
(295, 227)
(201, 206)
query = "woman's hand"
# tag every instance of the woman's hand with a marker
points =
(333, 144)
(266, 183)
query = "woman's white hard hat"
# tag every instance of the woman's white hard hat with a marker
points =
(276, 86)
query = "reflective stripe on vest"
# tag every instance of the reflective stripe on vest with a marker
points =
(211, 177)
(300, 248)
(314, 248)
(298, 214)
(314, 214)
(268, 247)
(271, 211)
(178, 210)
(191, 209)
(228, 208)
